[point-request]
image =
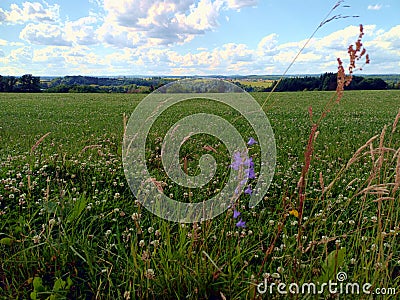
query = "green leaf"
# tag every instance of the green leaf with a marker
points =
(6, 241)
(59, 285)
(69, 283)
(38, 284)
(78, 208)
(33, 295)
(332, 264)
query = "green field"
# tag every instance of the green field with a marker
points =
(70, 226)
(257, 83)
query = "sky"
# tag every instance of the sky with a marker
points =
(204, 37)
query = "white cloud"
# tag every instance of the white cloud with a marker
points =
(30, 12)
(238, 4)
(44, 34)
(267, 45)
(21, 55)
(82, 31)
(164, 22)
(375, 7)
(119, 36)
(135, 55)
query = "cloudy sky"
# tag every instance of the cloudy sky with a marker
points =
(181, 37)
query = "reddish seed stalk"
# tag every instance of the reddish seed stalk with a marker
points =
(342, 80)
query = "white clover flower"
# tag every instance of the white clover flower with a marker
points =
(36, 239)
(136, 216)
(149, 274)
(275, 275)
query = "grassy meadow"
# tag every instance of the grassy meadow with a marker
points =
(70, 227)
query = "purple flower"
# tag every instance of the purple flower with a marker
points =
(251, 142)
(248, 190)
(250, 173)
(236, 214)
(241, 223)
(248, 162)
(237, 161)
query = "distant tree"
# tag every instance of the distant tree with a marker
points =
(8, 83)
(327, 82)
(373, 84)
(29, 83)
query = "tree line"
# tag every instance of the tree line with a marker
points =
(26, 83)
(88, 84)
(324, 82)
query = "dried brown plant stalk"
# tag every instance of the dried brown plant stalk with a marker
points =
(355, 53)
(342, 81)
(39, 141)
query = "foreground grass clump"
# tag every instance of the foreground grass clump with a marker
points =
(70, 227)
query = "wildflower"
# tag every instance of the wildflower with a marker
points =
(280, 270)
(266, 275)
(237, 161)
(294, 212)
(136, 216)
(141, 243)
(36, 239)
(127, 295)
(236, 214)
(149, 274)
(248, 190)
(241, 223)
(155, 243)
(251, 141)
(249, 173)
(275, 275)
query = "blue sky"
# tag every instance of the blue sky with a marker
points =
(180, 37)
